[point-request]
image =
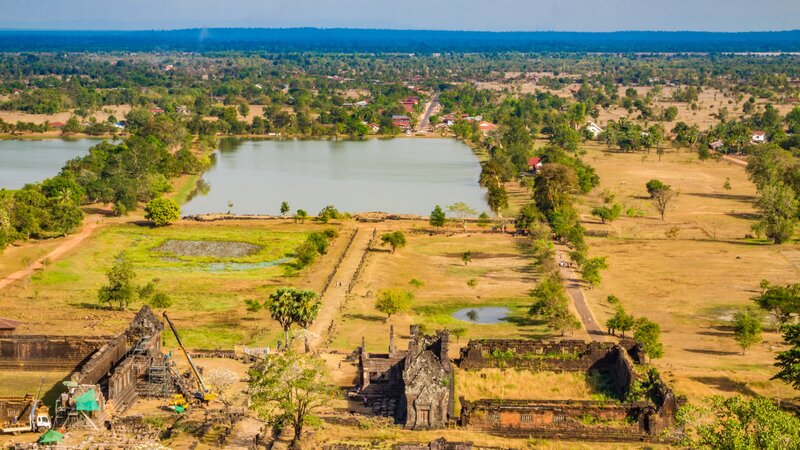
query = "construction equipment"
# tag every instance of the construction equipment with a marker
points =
(38, 418)
(178, 403)
(204, 393)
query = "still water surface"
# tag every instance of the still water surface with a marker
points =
(408, 176)
(30, 161)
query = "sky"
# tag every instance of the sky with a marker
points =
(484, 15)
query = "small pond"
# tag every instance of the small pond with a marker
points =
(485, 315)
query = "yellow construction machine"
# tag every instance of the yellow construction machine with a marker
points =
(203, 393)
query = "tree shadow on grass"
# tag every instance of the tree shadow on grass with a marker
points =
(726, 384)
(522, 321)
(704, 351)
(367, 317)
(97, 306)
(742, 215)
(736, 197)
(142, 223)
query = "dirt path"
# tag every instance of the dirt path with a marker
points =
(70, 243)
(244, 434)
(337, 292)
(572, 283)
(735, 161)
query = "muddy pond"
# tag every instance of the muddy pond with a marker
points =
(401, 175)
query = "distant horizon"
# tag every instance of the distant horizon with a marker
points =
(421, 15)
(132, 30)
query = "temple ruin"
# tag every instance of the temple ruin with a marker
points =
(416, 386)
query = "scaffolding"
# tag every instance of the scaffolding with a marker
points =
(159, 382)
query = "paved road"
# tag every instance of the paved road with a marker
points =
(572, 283)
(70, 243)
(426, 116)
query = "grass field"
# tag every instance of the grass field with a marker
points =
(208, 292)
(501, 276)
(692, 284)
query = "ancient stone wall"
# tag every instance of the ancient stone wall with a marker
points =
(568, 419)
(566, 355)
(43, 353)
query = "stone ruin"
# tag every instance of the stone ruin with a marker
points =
(644, 417)
(416, 386)
(115, 368)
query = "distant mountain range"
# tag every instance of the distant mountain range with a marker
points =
(406, 41)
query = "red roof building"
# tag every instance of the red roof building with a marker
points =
(486, 126)
(534, 164)
(55, 124)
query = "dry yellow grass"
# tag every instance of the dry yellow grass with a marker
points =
(523, 385)
(692, 284)
(119, 111)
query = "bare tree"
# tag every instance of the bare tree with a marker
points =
(662, 198)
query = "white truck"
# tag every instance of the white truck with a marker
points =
(39, 424)
(38, 417)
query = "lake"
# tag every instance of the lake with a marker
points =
(401, 175)
(29, 161)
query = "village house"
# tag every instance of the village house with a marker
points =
(7, 326)
(403, 122)
(716, 145)
(486, 127)
(593, 128)
(56, 125)
(156, 110)
(534, 164)
(758, 137)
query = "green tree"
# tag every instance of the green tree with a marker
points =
(553, 186)
(648, 333)
(739, 423)
(284, 208)
(466, 257)
(288, 390)
(300, 216)
(162, 211)
(777, 212)
(781, 301)
(395, 239)
(483, 220)
(306, 253)
(120, 290)
(620, 321)
(607, 213)
(393, 300)
(328, 213)
(746, 328)
(788, 361)
(462, 211)
(591, 269)
(662, 199)
(289, 306)
(458, 332)
(437, 218)
(654, 186)
(160, 300)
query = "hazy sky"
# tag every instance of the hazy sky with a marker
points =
(493, 15)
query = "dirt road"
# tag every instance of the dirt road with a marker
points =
(337, 291)
(71, 242)
(572, 283)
